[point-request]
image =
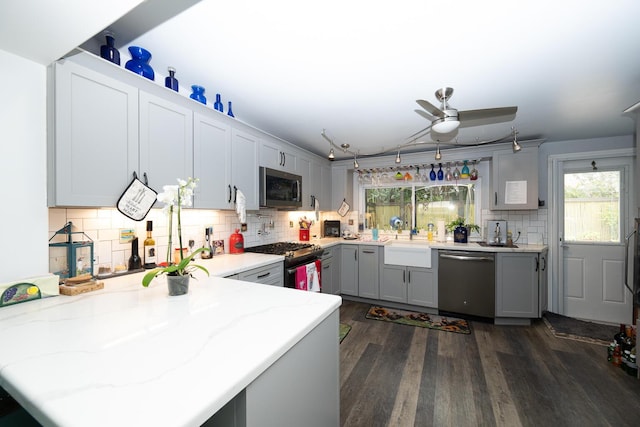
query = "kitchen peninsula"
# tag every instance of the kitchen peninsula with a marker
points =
(129, 355)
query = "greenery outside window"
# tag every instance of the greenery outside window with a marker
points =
(413, 205)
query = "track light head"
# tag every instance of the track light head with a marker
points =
(332, 155)
(438, 153)
(398, 157)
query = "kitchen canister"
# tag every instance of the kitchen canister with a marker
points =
(441, 231)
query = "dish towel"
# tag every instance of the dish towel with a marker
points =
(301, 278)
(313, 281)
(241, 207)
(316, 203)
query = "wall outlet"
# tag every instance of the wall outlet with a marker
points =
(350, 222)
(290, 224)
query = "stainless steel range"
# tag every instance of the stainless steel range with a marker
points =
(295, 255)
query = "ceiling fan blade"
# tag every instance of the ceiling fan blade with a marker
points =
(425, 115)
(432, 109)
(486, 113)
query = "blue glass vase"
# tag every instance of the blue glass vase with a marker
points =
(139, 62)
(170, 81)
(432, 174)
(230, 111)
(108, 51)
(440, 173)
(218, 104)
(198, 94)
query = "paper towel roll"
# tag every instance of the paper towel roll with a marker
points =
(441, 231)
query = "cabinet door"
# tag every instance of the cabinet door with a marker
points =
(303, 168)
(327, 276)
(514, 180)
(166, 141)
(93, 149)
(315, 183)
(277, 156)
(393, 285)
(325, 187)
(368, 277)
(212, 163)
(349, 270)
(542, 283)
(517, 285)
(341, 188)
(421, 287)
(244, 166)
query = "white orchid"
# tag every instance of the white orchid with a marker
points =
(180, 195)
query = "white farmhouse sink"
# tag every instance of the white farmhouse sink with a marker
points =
(412, 253)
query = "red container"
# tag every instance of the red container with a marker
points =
(304, 235)
(236, 243)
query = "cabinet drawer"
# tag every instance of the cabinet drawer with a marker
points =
(267, 274)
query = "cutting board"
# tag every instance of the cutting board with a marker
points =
(81, 288)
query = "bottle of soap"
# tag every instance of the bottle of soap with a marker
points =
(135, 262)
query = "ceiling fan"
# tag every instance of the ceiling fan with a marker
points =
(447, 119)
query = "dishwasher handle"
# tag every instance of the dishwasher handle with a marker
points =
(467, 257)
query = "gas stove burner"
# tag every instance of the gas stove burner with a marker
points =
(290, 250)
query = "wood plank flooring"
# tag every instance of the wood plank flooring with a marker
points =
(398, 375)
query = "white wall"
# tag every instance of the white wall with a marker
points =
(23, 221)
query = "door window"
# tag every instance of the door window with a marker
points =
(592, 207)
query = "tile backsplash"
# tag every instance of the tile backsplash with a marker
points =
(265, 226)
(103, 227)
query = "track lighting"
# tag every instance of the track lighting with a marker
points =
(398, 157)
(438, 153)
(516, 146)
(355, 162)
(332, 156)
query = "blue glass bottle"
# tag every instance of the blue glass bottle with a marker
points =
(432, 174)
(139, 62)
(198, 94)
(230, 111)
(465, 170)
(440, 173)
(108, 51)
(218, 104)
(170, 81)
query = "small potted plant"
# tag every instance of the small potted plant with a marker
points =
(461, 229)
(178, 273)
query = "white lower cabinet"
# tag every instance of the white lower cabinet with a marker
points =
(410, 285)
(330, 275)
(517, 282)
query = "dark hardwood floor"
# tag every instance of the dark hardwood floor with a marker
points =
(398, 375)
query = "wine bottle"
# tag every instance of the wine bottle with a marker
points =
(149, 248)
(135, 263)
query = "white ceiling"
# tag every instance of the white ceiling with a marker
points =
(355, 68)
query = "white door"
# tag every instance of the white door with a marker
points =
(593, 217)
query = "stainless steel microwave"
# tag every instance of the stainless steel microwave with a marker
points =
(280, 189)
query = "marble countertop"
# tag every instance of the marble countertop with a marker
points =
(471, 246)
(129, 355)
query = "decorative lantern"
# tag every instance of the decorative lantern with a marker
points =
(70, 258)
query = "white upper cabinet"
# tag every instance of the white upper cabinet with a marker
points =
(244, 166)
(277, 155)
(514, 180)
(166, 141)
(93, 145)
(212, 162)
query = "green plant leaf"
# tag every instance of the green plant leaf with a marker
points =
(151, 275)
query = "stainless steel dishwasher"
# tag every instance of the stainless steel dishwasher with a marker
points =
(466, 283)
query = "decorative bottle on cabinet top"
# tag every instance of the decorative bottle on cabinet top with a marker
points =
(108, 51)
(218, 104)
(170, 81)
(198, 94)
(139, 62)
(230, 111)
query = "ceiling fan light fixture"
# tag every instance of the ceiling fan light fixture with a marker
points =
(445, 125)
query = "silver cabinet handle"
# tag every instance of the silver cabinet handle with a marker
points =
(404, 279)
(264, 275)
(467, 258)
(368, 252)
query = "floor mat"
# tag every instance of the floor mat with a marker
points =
(423, 320)
(579, 330)
(344, 330)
